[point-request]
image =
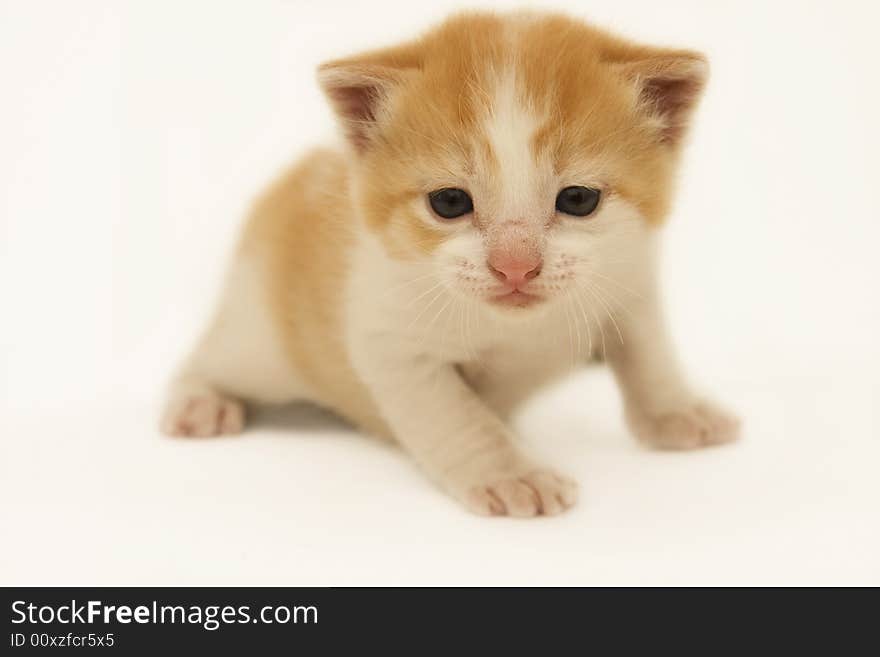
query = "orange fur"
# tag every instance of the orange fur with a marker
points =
(583, 78)
(301, 229)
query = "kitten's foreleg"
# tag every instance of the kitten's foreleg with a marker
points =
(459, 441)
(661, 408)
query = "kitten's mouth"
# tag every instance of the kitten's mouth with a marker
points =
(516, 299)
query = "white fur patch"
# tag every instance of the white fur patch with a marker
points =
(510, 127)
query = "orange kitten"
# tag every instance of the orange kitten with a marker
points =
(493, 220)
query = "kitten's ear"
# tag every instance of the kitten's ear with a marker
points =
(359, 88)
(669, 85)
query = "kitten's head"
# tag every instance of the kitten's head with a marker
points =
(512, 155)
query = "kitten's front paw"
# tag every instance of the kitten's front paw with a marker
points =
(203, 415)
(537, 492)
(693, 424)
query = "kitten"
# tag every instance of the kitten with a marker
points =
(491, 222)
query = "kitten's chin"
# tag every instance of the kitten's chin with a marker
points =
(516, 300)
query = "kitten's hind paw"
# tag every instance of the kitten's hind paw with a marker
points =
(202, 415)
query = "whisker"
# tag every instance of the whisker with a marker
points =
(615, 302)
(608, 311)
(598, 323)
(470, 331)
(586, 323)
(570, 337)
(424, 294)
(424, 309)
(400, 286)
(577, 329)
(439, 312)
(623, 287)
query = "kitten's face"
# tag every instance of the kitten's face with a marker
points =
(515, 158)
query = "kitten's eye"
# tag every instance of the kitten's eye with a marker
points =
(450, 203)
(577, 201)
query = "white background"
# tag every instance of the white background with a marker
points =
(132, 138)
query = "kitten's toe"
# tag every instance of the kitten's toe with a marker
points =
(203, 416)
(540, 492)
(694, 424)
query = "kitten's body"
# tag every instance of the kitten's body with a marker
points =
(344, 291)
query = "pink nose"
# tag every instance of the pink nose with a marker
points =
(515, 271)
